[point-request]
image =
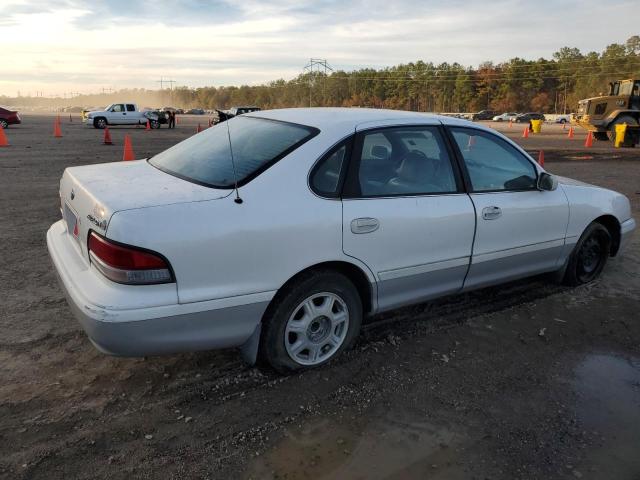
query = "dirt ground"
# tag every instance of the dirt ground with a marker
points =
(524, 381)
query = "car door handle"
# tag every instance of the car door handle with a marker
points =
(491, 213)
(364, 225)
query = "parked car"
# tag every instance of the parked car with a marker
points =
(242, 110)
(161, 115)
(122, 114)
(505, 117)
(279, 231)
(562, 118)
(195, 111)
(483, 115)
(527, 117)
(9, 117)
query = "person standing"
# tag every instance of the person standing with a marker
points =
(172, 119)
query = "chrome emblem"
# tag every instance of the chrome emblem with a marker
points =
(73, 195)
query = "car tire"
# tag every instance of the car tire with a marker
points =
(154, 124)
(589, 256)
(99, 122)
(4, 123)
(563, 121)
(311, 322)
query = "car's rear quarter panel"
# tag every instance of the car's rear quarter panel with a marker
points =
(221, 249)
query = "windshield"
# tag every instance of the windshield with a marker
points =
(256, 143)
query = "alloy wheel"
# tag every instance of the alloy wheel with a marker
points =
(316, 329)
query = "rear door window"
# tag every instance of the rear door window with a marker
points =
(401, 161)
(131, 108)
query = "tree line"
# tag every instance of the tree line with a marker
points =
(546, 85)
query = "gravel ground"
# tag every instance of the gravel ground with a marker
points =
(527, 380)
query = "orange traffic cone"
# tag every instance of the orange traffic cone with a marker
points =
(510, 123)
(199, 129)
(3, 138)
(128, 150)
(541, 158)
(525, 132)
(107, 137)
(570, 134)
(148, 127)
(588, 143)
(57, 133)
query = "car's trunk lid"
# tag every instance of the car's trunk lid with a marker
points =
(91, 194)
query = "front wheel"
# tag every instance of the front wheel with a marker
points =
(100, 123)
(4, 123)
(312, 322)
(154, 124)
(589, 256)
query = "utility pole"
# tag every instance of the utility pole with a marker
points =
(315, 67)
(564, 109)
(162, 81)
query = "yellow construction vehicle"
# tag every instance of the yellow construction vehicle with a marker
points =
(601, 114)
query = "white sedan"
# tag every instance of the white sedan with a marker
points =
(505, 117)
(278, 231)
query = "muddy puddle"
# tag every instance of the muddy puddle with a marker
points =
(400, 444)
(608, 404)
(389, 447)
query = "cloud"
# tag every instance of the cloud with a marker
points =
(72, 45)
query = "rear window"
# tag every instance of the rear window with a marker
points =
(256, 144)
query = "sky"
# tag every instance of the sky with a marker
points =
(61, 46)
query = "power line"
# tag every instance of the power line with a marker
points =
(316, 67)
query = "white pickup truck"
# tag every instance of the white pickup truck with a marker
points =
(122, 114)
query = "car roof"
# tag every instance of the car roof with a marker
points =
(330, 117)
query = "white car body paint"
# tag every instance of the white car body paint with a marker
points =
(230, 259)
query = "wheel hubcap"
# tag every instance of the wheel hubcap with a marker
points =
(316, 329)
(590, 255)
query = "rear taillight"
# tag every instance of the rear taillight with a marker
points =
(126, 264)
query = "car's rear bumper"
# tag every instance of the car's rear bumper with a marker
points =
(626, 231)
(149, 330)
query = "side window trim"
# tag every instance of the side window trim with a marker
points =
(349, 183)
(348, 143)
(463, 166)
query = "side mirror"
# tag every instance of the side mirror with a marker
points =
(547, 182)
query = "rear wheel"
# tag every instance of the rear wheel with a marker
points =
(611, 131)
(3, 123)
(154, 123)
(589, 255)
(312, 322)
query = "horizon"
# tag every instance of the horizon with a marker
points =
(67, 49)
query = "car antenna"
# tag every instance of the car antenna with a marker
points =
(238, 200)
